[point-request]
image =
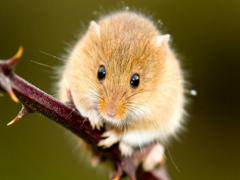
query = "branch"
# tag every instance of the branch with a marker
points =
(35, 100)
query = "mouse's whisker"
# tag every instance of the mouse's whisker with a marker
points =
(140, 113)
(91, 94)
(105, 90)
(91, 85)
(79, 72)
(52, 55)
(45, 65)
(90, 82)
(165, 145)
(133, 113)
(145, 91)
(136, 108)
(50, 72)
(163, 150)
(85, 65)
(124, 93)
(142, 91)
(132, 103)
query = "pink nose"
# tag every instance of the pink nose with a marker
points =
(110, 114)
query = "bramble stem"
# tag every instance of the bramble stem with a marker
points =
(35, 100)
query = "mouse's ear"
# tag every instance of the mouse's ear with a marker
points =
(94, 27)
(162, 43)
(163, 40)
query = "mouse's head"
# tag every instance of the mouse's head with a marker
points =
(119, 66)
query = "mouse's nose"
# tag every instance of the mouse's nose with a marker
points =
(111, 109)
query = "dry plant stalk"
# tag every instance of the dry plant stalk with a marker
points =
(34, 100)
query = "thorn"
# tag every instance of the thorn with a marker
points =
(24, 111)
(13, 96)
(116, 178)
(7, 87)
(118, 173)
(18, 55)
(13, 121)
(6, 71)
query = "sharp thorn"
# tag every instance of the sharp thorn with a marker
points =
(13, 96)
(10, 123)
(13, 121)
(24, 111)
(19, 53)
(8, 89)
(117, 177)
(15, 58)
(118, 173)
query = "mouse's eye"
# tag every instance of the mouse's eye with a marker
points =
(135, 81)
(101, 73)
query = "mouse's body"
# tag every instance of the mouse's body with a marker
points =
(123, 72)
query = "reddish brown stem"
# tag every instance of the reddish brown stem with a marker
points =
(35, 100)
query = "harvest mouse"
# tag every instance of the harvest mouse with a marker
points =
(122, 73)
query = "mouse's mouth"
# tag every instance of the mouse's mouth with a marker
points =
(113, 119)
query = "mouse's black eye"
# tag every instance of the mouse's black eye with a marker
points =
(135, 81)
(101, 73)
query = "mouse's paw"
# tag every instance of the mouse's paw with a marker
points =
(95, 119)
(126, 150)
(111, 137)
(155, 157)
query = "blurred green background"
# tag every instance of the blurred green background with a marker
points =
(205, 34)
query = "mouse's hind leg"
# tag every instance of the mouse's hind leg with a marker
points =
(155, 157)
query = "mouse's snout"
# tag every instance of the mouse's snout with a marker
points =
(112, 108)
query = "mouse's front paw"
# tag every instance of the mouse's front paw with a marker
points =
(111, 137)
(126, 150)
(95, 119)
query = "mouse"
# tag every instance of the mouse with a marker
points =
(124, 75)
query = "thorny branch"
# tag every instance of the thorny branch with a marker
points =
(35, 100)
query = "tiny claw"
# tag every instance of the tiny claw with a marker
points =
(13, 96)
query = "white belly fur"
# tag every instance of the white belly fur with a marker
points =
(140, 138)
